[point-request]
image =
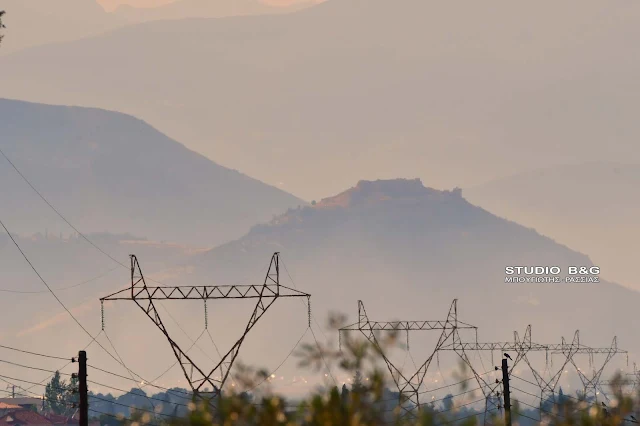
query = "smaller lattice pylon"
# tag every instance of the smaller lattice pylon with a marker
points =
(408, 386)
(591, 380)
(490, 389)
(548, 385)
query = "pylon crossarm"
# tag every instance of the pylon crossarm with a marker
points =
(205, 292)
(406, 326)
(494, 346)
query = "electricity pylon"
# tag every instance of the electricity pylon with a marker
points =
(490, 389)
(591, 382)
(408, 386)
(266, 294)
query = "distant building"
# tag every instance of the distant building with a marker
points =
(24, 417)
(23, 402)
(6, 408)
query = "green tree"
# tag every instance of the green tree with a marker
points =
(2, 12)
(71, 396)
(357, 386)
(62, 397)
(55, 393)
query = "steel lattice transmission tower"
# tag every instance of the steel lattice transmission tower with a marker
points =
(489, 389)
(591, 382)
(408, 386)
(265, 296)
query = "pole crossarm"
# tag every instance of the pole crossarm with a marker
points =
(264, 295)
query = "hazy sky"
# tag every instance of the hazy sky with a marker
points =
(112, 4)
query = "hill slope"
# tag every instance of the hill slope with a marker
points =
(38, 22)
(404, 249)
(416, 88)
(407, 251)
(592, 206)
(111, 172)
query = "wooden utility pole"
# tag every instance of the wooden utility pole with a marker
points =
(82, 388)
(506, 392)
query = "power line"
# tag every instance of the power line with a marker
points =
(97, 277)
(127, 368)
(69, 362)
(322, 356)
(57, 212)
(135, 408)
(34, 353)
(120, 418)
(133, 393)
(526, 417)
(172, 365)
(58, 299)
(32, 368)
(79, 233)
(91, 396)
(466, 417)
(282, 363)
(129, 378)
(45, 283)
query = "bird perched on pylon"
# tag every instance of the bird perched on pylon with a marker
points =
(507, 355)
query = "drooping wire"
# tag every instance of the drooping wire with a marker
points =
(34, 353)
(314, 319)
(76, 230)
(95, 278)
(46, 284)
(283, 361)
(57, 212)
(68, 362)
(322, 356)
(127, 368)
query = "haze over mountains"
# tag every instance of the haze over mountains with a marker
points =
(408, 250)
(107, 171)
(367, 88)
(592, 206)
(310, 103)
(43, 22)
(404, 249)
(182, 9)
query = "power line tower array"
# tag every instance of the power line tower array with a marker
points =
(451, 340)
(490, 389)
(408, 386)
(265, 296)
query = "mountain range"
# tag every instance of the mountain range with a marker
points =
(366, 88)
(183, 9)
(107, 171)
(406, 250)
(42, 22)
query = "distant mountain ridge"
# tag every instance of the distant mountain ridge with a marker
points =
(408, 250)
(183, 9)
(111, 172)
(415, 88)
